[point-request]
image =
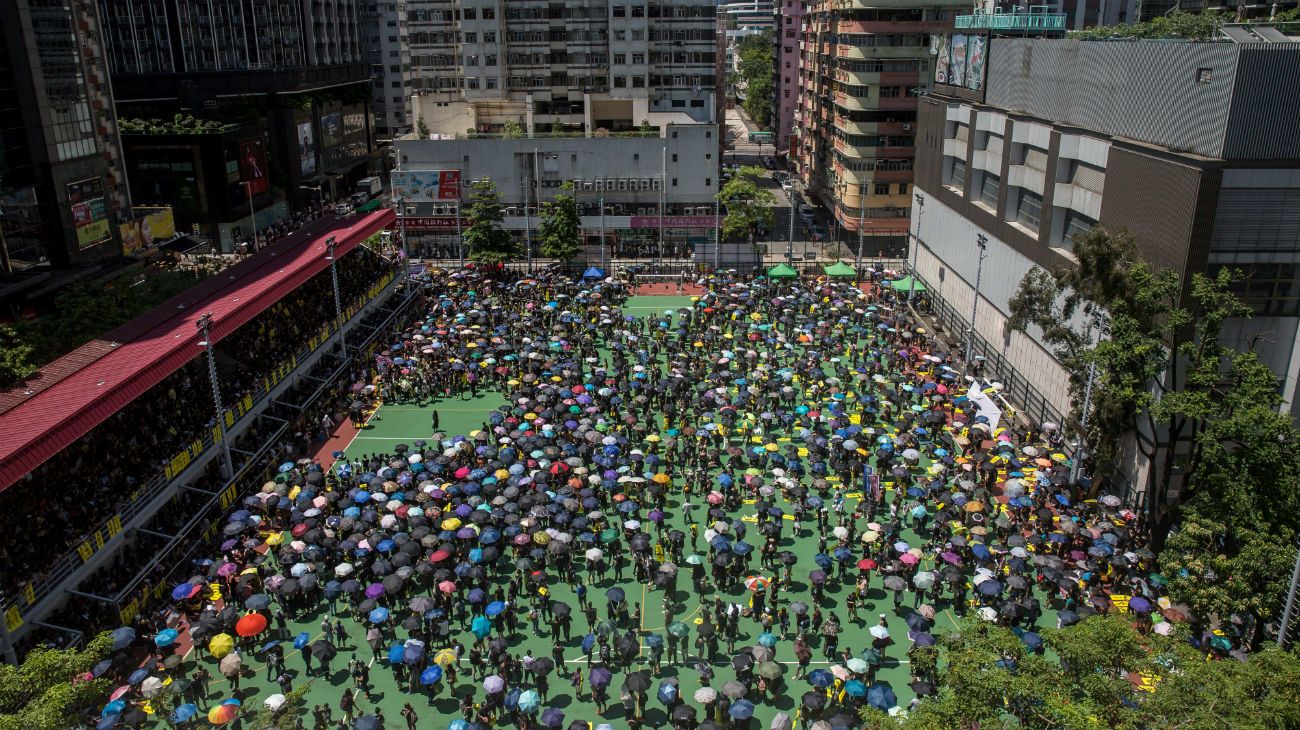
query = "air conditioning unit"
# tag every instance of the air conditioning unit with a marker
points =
(511, 210)
(587, 186)
(643, 211)
(622, 185)
(654, 183)
(697, 90)
(907, 127)
(577, 183)
(645, 183)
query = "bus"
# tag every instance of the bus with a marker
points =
(760, 137)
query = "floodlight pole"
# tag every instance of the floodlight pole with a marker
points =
(982, 241)
(1098, 322)
(1288, 611)
(338, 302)
(204, 325)
(916, 243)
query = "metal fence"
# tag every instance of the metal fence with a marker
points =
(63, 566)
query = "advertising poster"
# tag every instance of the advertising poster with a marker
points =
(957, 67)
(155, 227)
(252, 165)
(449, 185)
(426, 186)
(307, 148)
(331, 129)
(90, 218)
(942, 63)
(976, 49)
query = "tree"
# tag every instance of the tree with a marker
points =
(15, 357)
(748, 205)
(421, 127)
(45, 692)
(647, 128)
(485, 239)
(1186, 26)
(559, 231)
(755, 61)
(512, 129)
(286, 718)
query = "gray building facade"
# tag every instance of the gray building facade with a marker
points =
(1194, 147)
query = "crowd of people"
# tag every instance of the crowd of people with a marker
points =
(794, 471)
(52, 509)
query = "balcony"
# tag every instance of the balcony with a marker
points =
(1038, 21)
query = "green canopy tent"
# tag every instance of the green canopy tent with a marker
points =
(781, 271)
(841, 269)
(905, 284)
(370, 206)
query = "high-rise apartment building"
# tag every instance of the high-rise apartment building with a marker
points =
(384, 36)
(294, 74)
(785, 74)
(562, 66)
(62, 187)
(863, 66)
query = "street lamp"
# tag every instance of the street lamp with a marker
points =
(204, 325)
(252, 212)
(916, 243)
(338, 302)
(1098, 323)
(982, 241)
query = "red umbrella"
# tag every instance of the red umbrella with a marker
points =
(439, 556)
(866, 564)
(251, 625)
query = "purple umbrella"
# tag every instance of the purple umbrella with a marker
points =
(1138, 604)
(374, 590)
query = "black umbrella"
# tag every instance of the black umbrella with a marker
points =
(541, 665)
(323, 650)
(637, 682)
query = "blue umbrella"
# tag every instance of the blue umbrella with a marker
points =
(881, 697)
(458, 725)
(495, 608)
(588, 642)
(413, 652)
(741, 710)
(379, 615)
(855, 688)
(122, 637)
(301, 640)
(395, 654)
(286, 466)
(1033, 641)
(820, 678)
(114, 708)
(668, 691)
(529, 700)
(184, 712)
(481, 626)
(108, 722)
(552, 717)
(138, 676)
(166, 637)
(767, 639)
(431, 675)
(182, 592)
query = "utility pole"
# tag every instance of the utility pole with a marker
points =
(338, 302)
(524, 181)
(663, 196)
(717, 233)
(862, 224)
(1288, 611)
(982, 241)
(789, 246)
(600, 185)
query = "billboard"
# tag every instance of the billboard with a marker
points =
(672, 221)
(156, 226)
(252, 165)
(331, 129)
(89, 214)
(426, 186)
(306, 149)
(961, 61)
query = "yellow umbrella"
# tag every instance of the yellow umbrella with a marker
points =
(451, 523)
(771, 447)
(661, 478)
(541, 538)
(275, 538)
(221, 645)
(445, 658)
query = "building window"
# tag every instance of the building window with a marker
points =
(471, 37)
(489, 36)
(1203, 75)
(882, 189)
(674, 182)
(620, 59)
(708, 182)
(957, 175)
(1075, 224)
(988, 192)
(1029, 209)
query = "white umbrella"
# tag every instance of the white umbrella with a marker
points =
(924, 580)
(151, 686)
(705, 695)
(595, 554)
(988, 614)
(841, 532)
(880, 632)
(911, 454)
(276, 701)
(343, 570)
(632, 524)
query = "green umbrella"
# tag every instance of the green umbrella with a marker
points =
(1221, 643)
(769, 670)
(905, 284)
(1157, 579)
(840, 269)
(609, 535)
(678, 629)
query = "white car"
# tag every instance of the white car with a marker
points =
(344, 209)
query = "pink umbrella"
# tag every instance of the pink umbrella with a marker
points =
(447, 587)
(120, 692)
(909, 559)
(227, 569)
(714, 498)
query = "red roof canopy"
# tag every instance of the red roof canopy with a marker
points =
(79, 391)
